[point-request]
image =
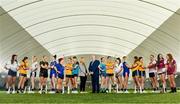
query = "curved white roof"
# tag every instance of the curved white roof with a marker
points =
(106, 27)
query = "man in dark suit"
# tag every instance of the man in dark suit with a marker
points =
(94, 71)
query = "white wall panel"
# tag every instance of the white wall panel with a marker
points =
(168, 43)
(21, 43)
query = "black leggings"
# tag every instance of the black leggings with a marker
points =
(83, 83)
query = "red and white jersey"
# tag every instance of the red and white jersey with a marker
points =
(152, 66)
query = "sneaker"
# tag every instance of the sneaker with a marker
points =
(43, 92)
(126, 92)
(107, 91)
(157, 91)
(120, 92)
(40, 91)
(18, 91)
(52, 92)
(8, 92)
(84, 92)
(75, 92)
(23, 92)
(72, 91)
(13, 92)
(135, 92)
(141, 92)
(31, 92)
(144, 91)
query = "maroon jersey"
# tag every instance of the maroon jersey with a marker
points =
(161, 64)
(171, 67)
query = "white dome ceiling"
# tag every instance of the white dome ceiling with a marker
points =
(105, 27)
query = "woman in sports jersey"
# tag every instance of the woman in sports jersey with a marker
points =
(142, 74)
(119, 74)
(171, 71)
(24, 66)
(110, 71)
(125, 74)
(44, 66)
(60, 70)
(75, 73)
(152, 72)
(135, 74)
(69, 75)
(102, 68)
(12, 66)
(34, 68)
(53, 74)
(160, 64)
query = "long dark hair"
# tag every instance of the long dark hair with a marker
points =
(102, 59)
(13, 59)
(159, 59)
(60, 59)
(77, 62)
(119, 60)
(25, 58)
(140, 58)
(136, 59)
(108, 57)
(55, 57)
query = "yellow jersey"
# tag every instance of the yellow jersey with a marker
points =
(136, 67)
(68, 69)
(109, 67)
(141, 66)
(23, 68)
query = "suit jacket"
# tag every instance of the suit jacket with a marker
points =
(93, 67)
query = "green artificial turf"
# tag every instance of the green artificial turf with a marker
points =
(90, 98)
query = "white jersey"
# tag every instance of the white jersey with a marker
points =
(153, 68)
(13, 66)
(118, 67)
(34, 66)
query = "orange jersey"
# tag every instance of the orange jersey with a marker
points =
(109, 67)
(137, 66)
(23, 68)
(141, 66)
(68, 69)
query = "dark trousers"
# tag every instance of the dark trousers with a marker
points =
(83, 83)
(95, 83)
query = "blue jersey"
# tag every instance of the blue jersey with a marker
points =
(53, 71)
(75, 70)
(53, 63)
(125, 69)
(103, 68)
(60, 68)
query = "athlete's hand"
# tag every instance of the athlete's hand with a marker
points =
(27, 68)
(91, 73)
(58, 72)
(52, 67)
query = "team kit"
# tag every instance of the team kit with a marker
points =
(114, 74)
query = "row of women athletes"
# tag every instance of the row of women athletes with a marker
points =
(108, 69)
(73, 69)
(158, 67)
